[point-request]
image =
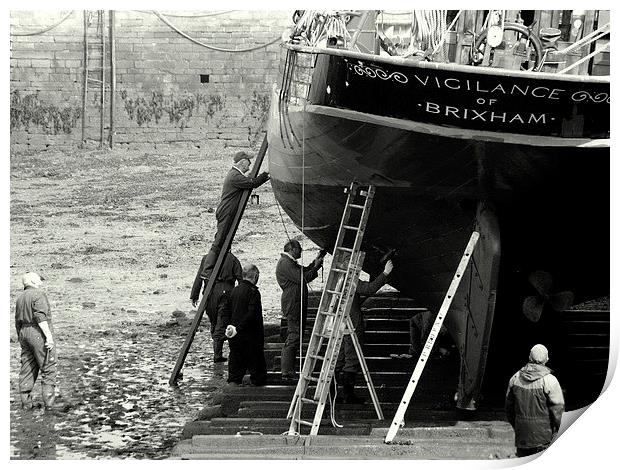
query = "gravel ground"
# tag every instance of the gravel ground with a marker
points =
(118, 236)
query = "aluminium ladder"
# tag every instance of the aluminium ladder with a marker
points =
(332, 318)
(398, 420)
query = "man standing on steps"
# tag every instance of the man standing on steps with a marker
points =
(245, 331)
(293, 280)
(235, 182)
(347, 363)
(534, 404)
(33, 321)
(216, 303)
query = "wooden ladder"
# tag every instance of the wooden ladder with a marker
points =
(98, 62)
(332, 318)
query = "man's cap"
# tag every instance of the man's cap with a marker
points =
(32, 279)
(241, 155)
(539, 354)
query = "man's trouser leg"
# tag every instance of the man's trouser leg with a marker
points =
(257, 367)
(218, 328)
(291, 346)
(37, 358)
(522, 452)
(237, 364)
(223, 226)
(218, 340)
(28, 373)
(349, 366)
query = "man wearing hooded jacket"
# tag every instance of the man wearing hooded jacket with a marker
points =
(534, 404)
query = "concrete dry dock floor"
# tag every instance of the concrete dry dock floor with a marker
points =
(470, 440)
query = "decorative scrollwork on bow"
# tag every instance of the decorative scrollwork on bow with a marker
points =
(376, 72)
(579, 96)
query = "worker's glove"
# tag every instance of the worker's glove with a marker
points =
(388, 267)
(264, 176)
(194, 303)
(231, 331)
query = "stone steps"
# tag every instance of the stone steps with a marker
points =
(462, 441)
(433, 424)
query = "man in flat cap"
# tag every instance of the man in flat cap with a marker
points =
(234, 184)
(534, 404)
(33, 321)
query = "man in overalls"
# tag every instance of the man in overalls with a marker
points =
(33, 321)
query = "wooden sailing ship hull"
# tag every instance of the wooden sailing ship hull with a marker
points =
(521, 157)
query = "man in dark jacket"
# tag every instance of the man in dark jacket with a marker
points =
(235, 182)
(534, 404)
(33, 322)
(348, 363)
(293, 279)
(245, 331)
(216, 303)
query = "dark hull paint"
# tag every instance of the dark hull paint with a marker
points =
(552, 203)
(548, 201)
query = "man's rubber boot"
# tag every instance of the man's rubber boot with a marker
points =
(348, 384)
(49, 398)
(218, 345)
(26, 400)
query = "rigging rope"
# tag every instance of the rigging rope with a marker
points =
(427, 27)
(191, 16)
(219, 49)
(45, 30)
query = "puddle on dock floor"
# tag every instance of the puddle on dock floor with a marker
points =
(121, 403)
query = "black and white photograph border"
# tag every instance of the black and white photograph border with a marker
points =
(122, 203)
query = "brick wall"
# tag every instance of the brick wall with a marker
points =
(159, 99)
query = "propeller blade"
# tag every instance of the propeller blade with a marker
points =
(562, 300)
(542, 282)
(533, 307)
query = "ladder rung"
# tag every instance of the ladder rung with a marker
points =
(93, 80)
(304, 422)
(338, 270)
(311, 379)
(329, 314)
(316, 356)
(356, 206)
(342, 248)
(309, 400)
(335, 292)
(351, 227)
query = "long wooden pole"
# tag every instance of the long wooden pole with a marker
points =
(216, 269)
(85, 77)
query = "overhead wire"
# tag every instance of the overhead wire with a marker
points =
(214, 48)
(46, 29)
